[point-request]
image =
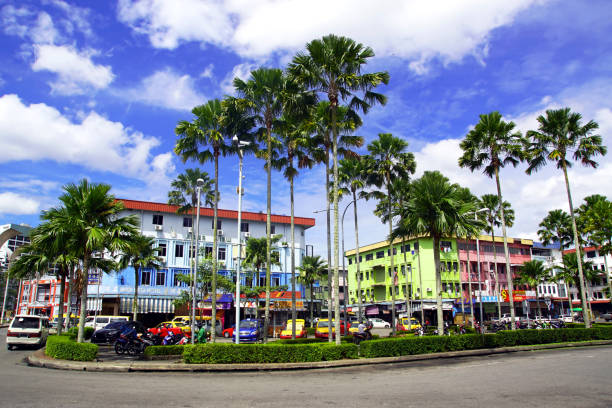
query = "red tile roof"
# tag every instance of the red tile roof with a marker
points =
(208, 212)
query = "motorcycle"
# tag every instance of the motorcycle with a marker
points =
(365, 335)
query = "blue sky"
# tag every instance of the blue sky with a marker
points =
(94, 89)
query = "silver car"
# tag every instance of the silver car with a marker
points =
(27, 330)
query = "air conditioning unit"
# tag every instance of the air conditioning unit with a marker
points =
(219, 232)
(247, 234)
(159, 227)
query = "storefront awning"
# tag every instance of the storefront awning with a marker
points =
(147, 305)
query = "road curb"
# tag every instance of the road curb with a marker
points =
(39, 359)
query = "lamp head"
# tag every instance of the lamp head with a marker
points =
(235, 139)
(200, 182)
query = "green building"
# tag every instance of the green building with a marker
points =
(377, 277)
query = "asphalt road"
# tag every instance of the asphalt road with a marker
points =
(555, 378)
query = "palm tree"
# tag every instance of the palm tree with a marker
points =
(296, 143)
(598, 226)
(206, 130)
(351, 179)
(256, 255)
(312, 270)
(265, 96)
(557, 227)
(492, 145)
(139, 254)
(347, 121)
(436, 209)
(532, 274)
(90, 217)
(490, 202)
(332, 66)
(561, 133)
(570, 274)
(390, 161)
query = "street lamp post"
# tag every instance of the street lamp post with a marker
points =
(240, 145)
(199, 184)
(479, 272)
(343, 267)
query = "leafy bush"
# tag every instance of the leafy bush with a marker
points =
(220, 353)
(420, 345)
(301, 341)
(175, 350)
(73, 332)
(311, 331)
(64, 348)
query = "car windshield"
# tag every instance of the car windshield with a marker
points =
(114, 325)
(26, 323)
(248, 325)
(322, 324)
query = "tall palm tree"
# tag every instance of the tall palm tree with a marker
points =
(265, 96)
(436, 209)
(490, 202)
(332, 65)
(312, 270)
(296, 143)
(91, 217)
(598, 226)
(204, 139)
(532, 274)
(139, 254)
(492, 145)
(570, 274)
(258, 256)
(561, 137)
(347, 122)
(351, 179)
(557, 227)
(390, 161)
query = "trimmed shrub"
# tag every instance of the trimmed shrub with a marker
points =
(311, 331)
(219, 353)
(73, 332)
(301, 341)
(420, 345)
(64, 348)
(174, 350)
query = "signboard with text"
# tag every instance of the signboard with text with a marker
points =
(517, 295)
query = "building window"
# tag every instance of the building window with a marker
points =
(221, 256)
(158, 219)
(208, 251)
(367, 275)
(191, 251)
(394, 252)
(160, 278)
(178, 250)
(244, 227)
(161, 249)
(275, 281)
(369, 257)
(272, 229)
(380, 254)
(187, 222)
(591, 254)
(145, 277)
(360, 258)
(455, 267)
(350, 261)
(212, 223)
(176, 281)
(361, 276)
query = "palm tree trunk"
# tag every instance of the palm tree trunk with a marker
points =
(293, 305)
(608, 277)
(329, 248)
(497, 289)
(440, 314)
(420, 284)
(85, 275)
(461, 292)
(359, 302)
(538, 301)
(70, 290)
(587, 318)
(268, 231)
(135, 301)
(336, 229)
(311, 303)
(508, 269)
(60, 314)
(392, 256)
(213, 290)
(408, 281)
(467, 243)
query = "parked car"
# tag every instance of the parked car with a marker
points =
(408, 324)
(250, 330)
(164, 328)
(27, 330)
(322, 330)
(229, 332)
(109, 333)
(606, 316)
(506, 317)
(98, 322)
(207, 326)
(566, 318)
(379, 323)
(300, 329)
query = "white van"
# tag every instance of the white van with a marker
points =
(27, 330)
(102, 321)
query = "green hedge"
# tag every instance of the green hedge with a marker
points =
(64, 348)
(73, 333)
(174, 350)
(220, 353)
(403, 346)
(301, 341)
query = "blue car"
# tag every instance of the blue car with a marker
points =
(251, 330)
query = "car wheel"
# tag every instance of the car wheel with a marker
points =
(9, 346)
(387, 326)
(226, 335)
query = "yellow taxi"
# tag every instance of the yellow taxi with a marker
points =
(300, 329)
(408, 324)
(322, 330)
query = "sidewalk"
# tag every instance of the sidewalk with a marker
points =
(39, 359)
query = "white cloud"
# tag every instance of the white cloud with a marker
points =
(242, 71)
(40, 132)
(166, 89)
(11, 203)
(415, 30)
(76, 72)
(208, 71)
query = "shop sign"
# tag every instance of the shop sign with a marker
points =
(286, 305)
(517, 295)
